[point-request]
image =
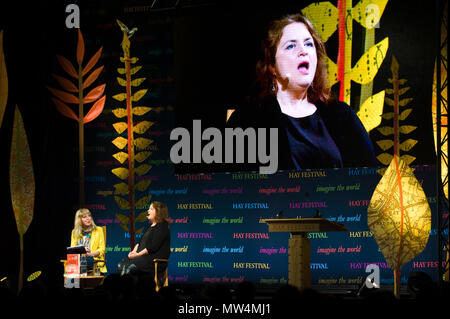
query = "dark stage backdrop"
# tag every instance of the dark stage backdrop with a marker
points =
(198, 61)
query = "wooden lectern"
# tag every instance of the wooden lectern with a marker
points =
(299, 246)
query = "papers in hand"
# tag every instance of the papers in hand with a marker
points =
(80, 249)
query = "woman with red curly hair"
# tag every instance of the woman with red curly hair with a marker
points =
(314, 130)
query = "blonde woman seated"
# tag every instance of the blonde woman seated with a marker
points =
(86, 233)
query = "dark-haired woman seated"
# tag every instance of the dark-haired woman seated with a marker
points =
(154, 244)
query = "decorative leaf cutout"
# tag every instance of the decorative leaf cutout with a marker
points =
(80, 48)
(399, 215)
(121, 157)
(91, 78)
(137, 82)
(142, 127)
(388, 116)
(142, 217)
(404, 114)
(143, 185)
(331, 70)
(95, 110)
(21, 176)
(135, 69)
(143, 202)
(404, 102)
(64, 109)
(385, 158)
(120, 112)
(3, 81)
(120, 97)
(120, 127)
(142, 169)
(405, 129)
(123, 204)
(389, 101)
(385, 145)
(67, 66)
(121, 189)
(315, 13)
(408, 159)
(371, 110)
(120, 172)
(21, 181)
(121, 81)
(93, 61)
(121, 70)
(142, 143)
(140, 110)
(120, 142)
(66, 84)
(142, 156)
(403, 90)
(138, 95)
(407, 145)
(122, 218)
(63, 96)
(363, 72)
(139, 231)
(386, 130)
(94, 94)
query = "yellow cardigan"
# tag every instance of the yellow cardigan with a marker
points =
(97, 244)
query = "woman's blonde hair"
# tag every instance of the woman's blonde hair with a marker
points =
(78, 225)
(161, 212)
(265, 79)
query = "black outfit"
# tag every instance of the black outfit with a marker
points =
(331, 137)
(156, 240)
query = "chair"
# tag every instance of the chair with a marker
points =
(161, 277)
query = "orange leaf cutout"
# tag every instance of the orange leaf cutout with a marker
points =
(63, 96)
(94, 94)
(95, 110)
(64, 109)
(66, 84)
(91, 78)
(92, 61)
(67, 66)
(80, 48)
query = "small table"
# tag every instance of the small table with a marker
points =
(299, 245)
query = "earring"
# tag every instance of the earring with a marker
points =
(273, 87)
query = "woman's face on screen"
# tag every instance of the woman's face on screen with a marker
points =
(296, 57)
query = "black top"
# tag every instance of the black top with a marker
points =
(310, 143)
(157, 241)
(333, 136)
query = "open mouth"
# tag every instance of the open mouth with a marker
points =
(303, 66)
